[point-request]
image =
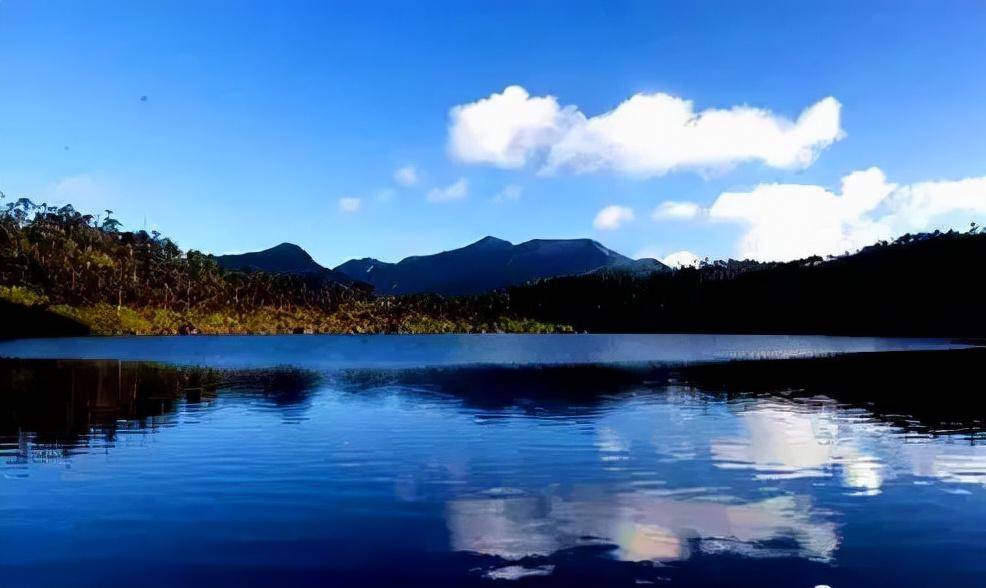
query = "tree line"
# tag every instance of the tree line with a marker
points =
(83, 259)
(919, 284)
(67, 272)
(90, 270)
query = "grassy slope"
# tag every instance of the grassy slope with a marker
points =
(33, 316)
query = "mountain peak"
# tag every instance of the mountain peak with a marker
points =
(490, 240)
(286, 248)
(285, 258)
(357, 268)
(488, 264)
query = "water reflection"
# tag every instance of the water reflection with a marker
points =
(788, 439)
(539, 474)
(641, 526)
(63, 406)
(785, 439)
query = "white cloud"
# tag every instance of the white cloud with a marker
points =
(456, 191)
(510, 192)
(916, 207)
(680, 259)
(646, 135)
(677, 259)
(508, 128)
(791, 221)
(349, 205)
(612, 217)
(673, 210)
(406, 176)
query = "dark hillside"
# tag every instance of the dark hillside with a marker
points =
(925, 284)
(286, 258)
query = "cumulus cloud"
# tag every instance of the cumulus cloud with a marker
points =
(349, 205)
(456, 191)
(509, 193)
(791, 221)
(612, 217)
(674, 210)
(406, 176)
(506, 129)
(917, 207)
(680, 259)
(646, 135)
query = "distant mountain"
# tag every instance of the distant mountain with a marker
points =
(492, 263)
(286, 258)
(634, 267)
(918, 285)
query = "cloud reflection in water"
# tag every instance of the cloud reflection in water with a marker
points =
(644, 526)
(784, 439)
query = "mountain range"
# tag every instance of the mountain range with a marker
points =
(286, 258)
(487, 264)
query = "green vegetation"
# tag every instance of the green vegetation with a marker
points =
(85, 268)
(63, 272)
(371, 316)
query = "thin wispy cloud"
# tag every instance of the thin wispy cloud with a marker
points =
(349, 205)
(83, 191)
(612, 217)
(94, 194)
(646, 135)
(649, 251)
(456, 191)
(385, 194)
(509, 193)
(406, 176)
(673, 210)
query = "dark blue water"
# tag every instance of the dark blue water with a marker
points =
(374, 351)
(383, 461)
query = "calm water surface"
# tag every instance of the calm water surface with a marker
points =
(383, 461)
(343, 352)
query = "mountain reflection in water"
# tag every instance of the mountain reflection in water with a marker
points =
(803, 471)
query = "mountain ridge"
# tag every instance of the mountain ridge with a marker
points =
(491, 263)
(487, 264)
(284, 258)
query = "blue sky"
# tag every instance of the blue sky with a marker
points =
(260, 117)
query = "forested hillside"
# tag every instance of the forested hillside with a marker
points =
(924, 284)
(65, 272)
(87, 269)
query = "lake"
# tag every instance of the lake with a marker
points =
(603, 460)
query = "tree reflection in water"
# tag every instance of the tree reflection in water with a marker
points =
(540, 474)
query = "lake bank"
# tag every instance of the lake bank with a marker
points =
(378, 316)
